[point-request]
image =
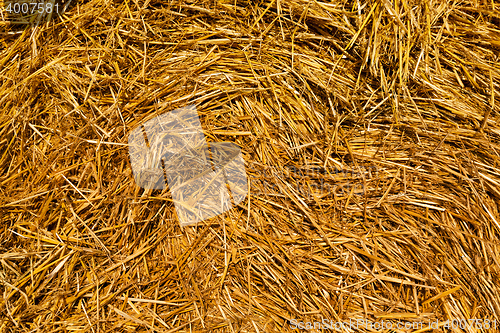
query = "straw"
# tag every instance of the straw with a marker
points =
(370, 134)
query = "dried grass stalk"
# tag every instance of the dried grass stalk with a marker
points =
(370, 132)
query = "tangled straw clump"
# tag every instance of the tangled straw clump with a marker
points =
(398, 99)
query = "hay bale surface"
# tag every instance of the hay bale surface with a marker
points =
(370, 131)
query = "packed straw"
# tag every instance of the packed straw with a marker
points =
(370, 134)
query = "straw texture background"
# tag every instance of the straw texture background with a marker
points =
(370, 131)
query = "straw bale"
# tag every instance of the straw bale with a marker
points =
(370, 132)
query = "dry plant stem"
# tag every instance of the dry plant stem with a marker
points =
(370, 131)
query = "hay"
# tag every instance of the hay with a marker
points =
(370, 132)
